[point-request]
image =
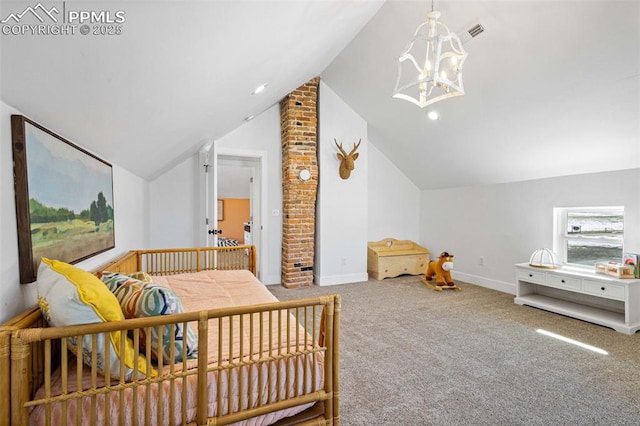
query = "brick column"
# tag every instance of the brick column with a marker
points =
(299, 129)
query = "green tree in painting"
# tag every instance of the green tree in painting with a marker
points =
(99, 211)
(43, 214)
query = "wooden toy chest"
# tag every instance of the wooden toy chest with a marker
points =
(391, 257)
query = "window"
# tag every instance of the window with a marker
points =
(585, 235)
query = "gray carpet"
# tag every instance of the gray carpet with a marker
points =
(413, 356)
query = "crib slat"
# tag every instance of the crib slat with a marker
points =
(172, 383)
(241, 370)
(160, 361)
(47, 379)
(269, 376)
(184, 388)
(65, 374)
(305, 375)
(94, 376)
(219, 388)
(122, 381)
(79, 378)
(229, 380)
(296, 377)
(314, 342)
(134, 375)
(288, 376)
(250, 399)
(279, 365)
(260, 374)
(147, 401)
(107, 373)
(203, 396)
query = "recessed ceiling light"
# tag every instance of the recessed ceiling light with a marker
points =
(259, 89)
(433, 115)
(249, 117)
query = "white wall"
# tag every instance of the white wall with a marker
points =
(173, 207)
(233, 181)
(394, 200)
(505, 223)
(263, 134)
(342, 206)
(130, 215)
(12, 293)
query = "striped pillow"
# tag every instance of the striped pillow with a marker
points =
(114, 280)
(140, 299)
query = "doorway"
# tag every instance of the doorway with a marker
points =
(236, 199)
(235, 185)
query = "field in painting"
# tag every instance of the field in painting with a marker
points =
(70, 239)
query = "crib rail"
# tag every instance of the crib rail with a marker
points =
(276, 367)
(180, 261)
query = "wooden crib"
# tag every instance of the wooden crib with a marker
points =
(272, 362)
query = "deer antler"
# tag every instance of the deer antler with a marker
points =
(340, 148)
(355, 146)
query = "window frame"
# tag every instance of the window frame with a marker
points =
(561, 237)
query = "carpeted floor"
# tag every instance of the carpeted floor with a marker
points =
(413, 356)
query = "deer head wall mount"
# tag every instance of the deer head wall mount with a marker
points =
(347, 161)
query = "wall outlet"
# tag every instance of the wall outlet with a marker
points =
(481, 261)
(343, 262)
(275, 212)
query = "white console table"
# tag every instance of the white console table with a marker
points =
(581, 294)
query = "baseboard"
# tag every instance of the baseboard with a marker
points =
(502, 286)
(341, 279)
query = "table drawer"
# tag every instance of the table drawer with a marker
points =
(531, 276)
(561, 281)
(608, 290)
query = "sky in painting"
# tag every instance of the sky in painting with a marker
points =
(59, 175)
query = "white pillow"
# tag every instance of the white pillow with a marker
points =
(70, 296)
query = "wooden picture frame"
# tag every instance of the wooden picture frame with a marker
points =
(220, 210)
(64, 198)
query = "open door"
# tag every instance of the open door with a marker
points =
(208, 217)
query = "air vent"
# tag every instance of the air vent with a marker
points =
(476, 30)
(470, 31)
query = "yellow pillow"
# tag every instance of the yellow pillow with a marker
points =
(70, 296)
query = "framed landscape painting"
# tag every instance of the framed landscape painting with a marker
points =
(64, 198)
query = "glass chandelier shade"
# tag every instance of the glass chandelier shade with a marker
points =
(439, 75)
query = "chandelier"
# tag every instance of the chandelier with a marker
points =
(439, 75)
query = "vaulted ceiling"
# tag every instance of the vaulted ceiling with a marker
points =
(552, 88)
